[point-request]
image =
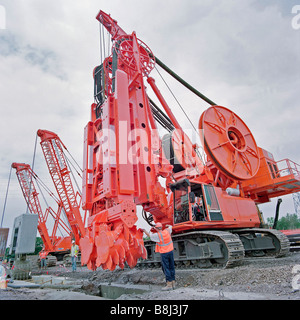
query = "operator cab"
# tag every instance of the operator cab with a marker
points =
(195, 202)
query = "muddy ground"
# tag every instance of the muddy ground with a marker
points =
(255, 279)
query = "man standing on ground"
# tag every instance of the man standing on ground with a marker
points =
(74, 254)
(164, 245)
(43, 256)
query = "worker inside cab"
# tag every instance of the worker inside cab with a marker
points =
(198, 210)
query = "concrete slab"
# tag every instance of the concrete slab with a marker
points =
(48, 279)
(115, 290)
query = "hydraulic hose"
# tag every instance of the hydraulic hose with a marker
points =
(277, 213)
(183, 82)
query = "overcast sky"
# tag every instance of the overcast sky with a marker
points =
(244, 55)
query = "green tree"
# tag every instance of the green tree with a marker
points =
(287, 222)
(38, 245)
(270, 222)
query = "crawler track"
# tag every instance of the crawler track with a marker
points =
(277, 246)
(200, 249)
(220, 249)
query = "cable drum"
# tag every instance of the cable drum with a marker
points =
(229, 143)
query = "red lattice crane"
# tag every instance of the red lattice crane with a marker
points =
(56, 245)
(57, 164)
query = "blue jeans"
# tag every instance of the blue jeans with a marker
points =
(74, 260)
(43, 263)
(168, 265)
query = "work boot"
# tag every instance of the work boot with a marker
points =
(168, 286)
(174, 284)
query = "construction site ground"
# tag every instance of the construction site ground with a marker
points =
(256, 279)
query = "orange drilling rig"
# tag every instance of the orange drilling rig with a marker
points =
(212, 204)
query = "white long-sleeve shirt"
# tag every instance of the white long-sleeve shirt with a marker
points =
(154, 235)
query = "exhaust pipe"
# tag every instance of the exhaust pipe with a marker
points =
(277, 213)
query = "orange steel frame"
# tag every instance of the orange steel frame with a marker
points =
(123, 160)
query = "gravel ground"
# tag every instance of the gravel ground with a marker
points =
(259, 279)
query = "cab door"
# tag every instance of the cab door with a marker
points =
(212, 203)
(182, 206)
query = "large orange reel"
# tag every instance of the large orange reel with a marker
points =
(229, 143)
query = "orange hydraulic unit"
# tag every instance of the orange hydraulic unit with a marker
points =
(212, 204)
(56, 245)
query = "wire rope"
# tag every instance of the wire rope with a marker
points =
(182, 109)
(5, 201)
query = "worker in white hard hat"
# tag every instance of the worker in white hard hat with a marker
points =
(164, 245)
(74, 254)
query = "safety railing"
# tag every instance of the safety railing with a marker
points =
(287, 167)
